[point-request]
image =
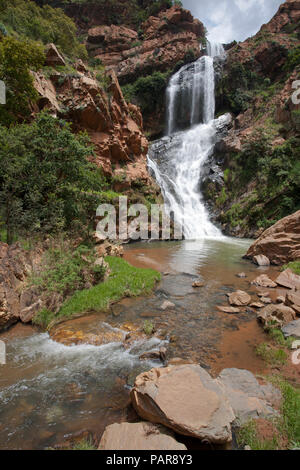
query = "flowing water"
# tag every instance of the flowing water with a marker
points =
(177, 160)
(50, 392)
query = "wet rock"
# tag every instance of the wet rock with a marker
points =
(280, 243)
(266, 300)
(288, 279)
(138, 436)
(280, 299)
(261, 260)
(159, 355)
(263, 294)
(292, 329)
(279, 314)
(167, 305)
(239, 298)
(53, 57)
(198, 284)
(105, 334)
(257, 305)
(241, 275)
(263, 281)
(186, 399)
(227, 309)
(247, 397)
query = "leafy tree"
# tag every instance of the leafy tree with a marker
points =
(44, 24)
(17, 58)
(46, 182)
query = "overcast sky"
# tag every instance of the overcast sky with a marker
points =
(227, 20)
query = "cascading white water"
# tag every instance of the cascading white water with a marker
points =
(177, 161)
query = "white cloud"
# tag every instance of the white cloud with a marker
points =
(228, 20)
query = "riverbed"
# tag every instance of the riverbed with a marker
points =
(51, 393)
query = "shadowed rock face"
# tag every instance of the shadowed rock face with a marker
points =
(186, 399)
(281, 242)
(138, 436)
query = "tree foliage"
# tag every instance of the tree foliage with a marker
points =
(17, 58)
(46, 24)
(47, 184)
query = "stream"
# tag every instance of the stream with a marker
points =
(50, 392)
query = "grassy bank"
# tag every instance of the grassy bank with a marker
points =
(123, 281)
(285, 429)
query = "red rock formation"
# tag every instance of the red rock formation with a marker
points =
(281, 242)
(167, 39)
(115, 127)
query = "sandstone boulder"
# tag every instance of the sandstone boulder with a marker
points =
(239, 298)
(279, 313)
(263, 281)
(138, 436)
(186, 399)
(261, 260)
(249, 399)
(281, 242)
(227, 309)
(288, 279)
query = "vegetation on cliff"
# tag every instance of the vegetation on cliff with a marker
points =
(25, 19)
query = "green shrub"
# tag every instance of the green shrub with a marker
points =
(17, 58)
(44, 24)
(47, 184)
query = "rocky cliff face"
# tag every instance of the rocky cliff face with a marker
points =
(115, 127)
(259, 155)
(163, 41)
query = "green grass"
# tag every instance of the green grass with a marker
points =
(148, 327)
(248, 435)
(286, 426)
(294, 266)
(270, 355)
(85, 444)
(124, 281)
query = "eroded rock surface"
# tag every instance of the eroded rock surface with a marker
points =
(280, 243)
(186, 399)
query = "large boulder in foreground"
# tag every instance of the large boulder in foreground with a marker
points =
(186, 399)
(138, 436)
(248, 398)
(280, 243)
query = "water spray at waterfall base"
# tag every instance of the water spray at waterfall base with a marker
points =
(178, 159)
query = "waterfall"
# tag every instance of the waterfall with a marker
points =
(177, 160)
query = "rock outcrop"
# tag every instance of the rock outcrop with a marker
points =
(114, 126)
(138, 436)
(166, 40)
(292, 329)
(186, 399)
(281, 242)
(15, 266)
